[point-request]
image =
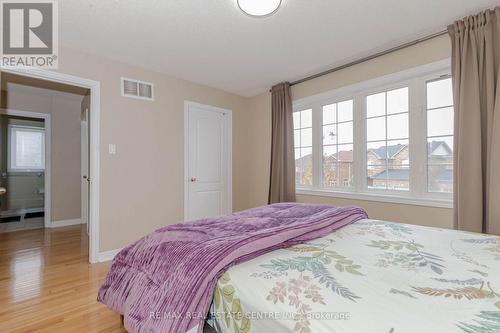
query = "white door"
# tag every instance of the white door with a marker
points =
(84, 141)
(208, 162)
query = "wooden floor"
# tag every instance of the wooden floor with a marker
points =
(47, 284)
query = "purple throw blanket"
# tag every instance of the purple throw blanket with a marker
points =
(164, 282)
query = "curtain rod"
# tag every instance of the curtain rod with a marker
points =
(373, 56)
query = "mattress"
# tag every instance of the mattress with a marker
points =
(371, 276)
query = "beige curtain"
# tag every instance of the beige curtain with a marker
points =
(282, 181)
(475, 68)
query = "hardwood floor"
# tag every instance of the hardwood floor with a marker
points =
(47, 284)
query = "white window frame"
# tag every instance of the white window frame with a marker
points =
(415, 79)
(11, 147)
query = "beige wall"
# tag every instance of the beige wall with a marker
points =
(142, 185)
(64, 109)
(424, 53)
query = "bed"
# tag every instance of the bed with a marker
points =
(306, 268)
(370, 276)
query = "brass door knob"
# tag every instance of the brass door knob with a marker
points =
(193, 179)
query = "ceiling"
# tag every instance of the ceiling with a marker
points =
(213, 43)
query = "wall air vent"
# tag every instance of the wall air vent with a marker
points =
(137, 89)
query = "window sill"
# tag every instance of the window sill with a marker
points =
(377, 197)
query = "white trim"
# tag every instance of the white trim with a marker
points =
(48, 162)
(107, 255)
(406, 200)
(229, 166)
(65, 223)
(412, 78)
(95, 118)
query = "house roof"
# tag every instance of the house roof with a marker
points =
(433, 145)
(388, 152)
(341, 156)
(393, 174)
(446, 176)
(345, 156)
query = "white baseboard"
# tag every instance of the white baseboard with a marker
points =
(64, 223)
(107, 255)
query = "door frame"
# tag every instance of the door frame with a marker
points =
(84, 169)
(47, 200)
(94, 134)
(229, 163)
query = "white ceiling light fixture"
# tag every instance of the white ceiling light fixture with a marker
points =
(259, 8)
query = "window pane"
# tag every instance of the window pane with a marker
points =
(375, 105)
(345, 111)
(27, 148)
(330, 166)
(397, 126)
(307, 168)
(440, 122)
(439, 94)
(329, 114)
(296, 138)
(345, 133)
(306, 118)
(398, 178)
(306, 137)
(397, 101)
(440, 150)
(296, 120)
(375, 129)
(376, 153)
(345, 174)
(440, 178)
(345, 153)
(398, 152)
(375, 177)
(330, 134)
(440, 119)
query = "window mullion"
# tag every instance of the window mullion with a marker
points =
(317, 119)
(418, 150)
(360, 171)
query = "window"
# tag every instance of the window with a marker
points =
(338, 144)
(440, 136)
(387, 139)
(302, 123)
(26, 148)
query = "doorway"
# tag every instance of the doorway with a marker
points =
(208, 166)
(91, 123)
(24, 170)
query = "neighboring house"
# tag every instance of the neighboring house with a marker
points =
(303, 170)
(389, 165)
(337, 169)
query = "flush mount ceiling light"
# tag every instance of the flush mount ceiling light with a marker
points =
(259, 8)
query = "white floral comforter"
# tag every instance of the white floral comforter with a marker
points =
(371, 276)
